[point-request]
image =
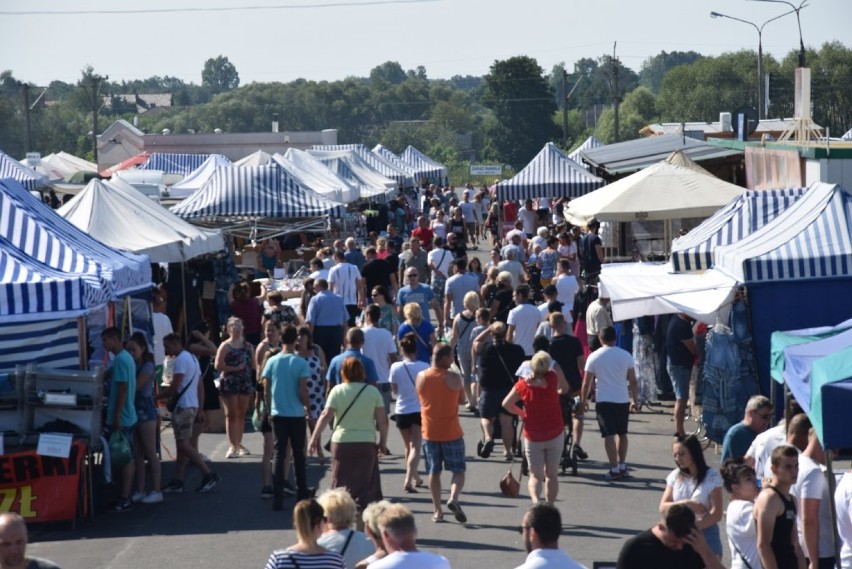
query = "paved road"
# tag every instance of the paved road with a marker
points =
(233, 527)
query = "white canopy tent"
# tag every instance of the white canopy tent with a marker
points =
(348, 165)
(317, 176)
(646, 289)
(675, 188)
(61, 166)
(198, 177)
(257, 158)
(120, 216)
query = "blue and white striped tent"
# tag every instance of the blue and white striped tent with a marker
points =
(349, 165)
(588, 144)
(53, 344)
(811, 239)
(24, 175)
(50, 269)
(425, 167)
(746, 214)
(170, 163)
(550, 174)
(198, 177)
(389, 156)
(255, 192)
(402, 175)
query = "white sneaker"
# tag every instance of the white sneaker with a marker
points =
(153, 497)
(243, 451)
(232, 453)
(137, 497)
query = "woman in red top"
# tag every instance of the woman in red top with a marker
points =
(544, 428)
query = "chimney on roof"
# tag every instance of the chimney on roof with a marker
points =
(725, 122)
(275, 122)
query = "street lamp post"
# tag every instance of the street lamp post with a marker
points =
(761, 111)
(796, 9)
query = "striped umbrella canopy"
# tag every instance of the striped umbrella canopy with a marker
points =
(24, 175)
(746, 214)
(811, 239)
(424, 167)
(255, 192)
(550, 174)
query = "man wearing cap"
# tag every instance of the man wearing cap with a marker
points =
(598, 317)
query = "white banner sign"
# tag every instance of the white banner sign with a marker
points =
(486, 169)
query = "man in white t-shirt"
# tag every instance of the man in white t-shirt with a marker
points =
(540, 531)
(344, 280)
(380, 347)
(843, 505)
(469, 216)
(399, 534)
(162, 328)
(813, 515)
(529, 217)
(187, 386)
(611, 370)
(566, 289)
(523, 320)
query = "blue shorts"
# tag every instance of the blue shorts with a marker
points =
(440, 455)
(680, 376)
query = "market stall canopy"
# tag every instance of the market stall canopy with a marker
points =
(348, 165)
(831, 399)
(811, 239)
(675, 188)
(257, 158)
(550, 174)
(629, 156)
(799, 360)
(781, 340)
(577, 154)
(747, 213)
(50, 269)
(120, 216)
(403, 176)
(24, 175)
(395, 160)
(131, 162)
(255, 192)
(173, 163)
(316, 176)
(63, 166)
(425, 167)
(646, 289)
(198, 177)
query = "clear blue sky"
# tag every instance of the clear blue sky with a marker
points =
(332, 39)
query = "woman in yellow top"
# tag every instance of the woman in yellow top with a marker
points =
(357, 409)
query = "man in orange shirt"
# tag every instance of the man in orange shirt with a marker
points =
(438, 389)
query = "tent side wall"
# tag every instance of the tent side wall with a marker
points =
(54, 344)
(792, 305)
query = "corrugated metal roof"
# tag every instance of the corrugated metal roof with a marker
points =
(633, 155)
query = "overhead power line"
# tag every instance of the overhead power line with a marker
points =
(213, 9)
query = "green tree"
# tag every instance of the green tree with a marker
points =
(638, 110)
(655, 67)
(389, 71)
(219, 75)
(522, 102)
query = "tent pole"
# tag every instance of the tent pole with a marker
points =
(81, 336)
(832, 487)
(183, 298)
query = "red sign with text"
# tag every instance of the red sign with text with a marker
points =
(41, 488)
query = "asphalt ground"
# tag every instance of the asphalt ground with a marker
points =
(232, 526)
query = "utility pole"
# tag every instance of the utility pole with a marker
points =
(25, 87)
(615, 96)
(93, 91)
(564, 108)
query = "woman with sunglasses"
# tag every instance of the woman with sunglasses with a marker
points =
(309, 522)
(388, 320)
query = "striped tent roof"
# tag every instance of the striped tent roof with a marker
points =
(550, 174)
(253, 192)
(402, 175)
(743, 216)
(349, 165)
(169, 163)
(424, 167)
(24, 175)
(811, 239)
(198, 177)
(588, 144)
(317, 176)
(386, 154)
(50, 269)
